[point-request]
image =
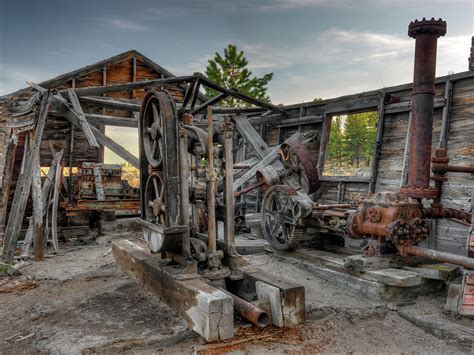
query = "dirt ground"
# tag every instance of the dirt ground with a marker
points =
(84, 304)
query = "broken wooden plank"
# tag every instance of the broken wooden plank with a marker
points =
(209, 311)
(23, 187)
(396, 277)
(86, 128)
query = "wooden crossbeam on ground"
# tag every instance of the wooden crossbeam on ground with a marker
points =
(209, 311)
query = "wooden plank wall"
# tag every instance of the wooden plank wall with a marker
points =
(457, 191)
(58, 129)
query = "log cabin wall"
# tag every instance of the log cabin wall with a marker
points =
(457, 192)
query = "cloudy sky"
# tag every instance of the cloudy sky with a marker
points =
(315, 48)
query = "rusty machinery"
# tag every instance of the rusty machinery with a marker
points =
(186, 177)
(99, 187)
(392, 222)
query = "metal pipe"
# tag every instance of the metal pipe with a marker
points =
(437, 255)
(426, 33)
(211, 202)
(327, 207)
(251, 312)
(461, 169)
(249, 188)
(184, 189)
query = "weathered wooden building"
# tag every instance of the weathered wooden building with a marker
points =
(454, 126)
(114, 109)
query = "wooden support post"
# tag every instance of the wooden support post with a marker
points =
(6, 182)
(228, 191)
(54, 213)
(102, 127)
(45, 192)
(378, 143)
(209, 311)
(446, 115)
(37, 211)
(324, 142)
(134, 75)
(406, 156)
(23, 187)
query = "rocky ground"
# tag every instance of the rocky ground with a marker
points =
(84, 304)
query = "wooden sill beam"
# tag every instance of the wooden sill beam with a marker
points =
(110, 103)
(106, 120)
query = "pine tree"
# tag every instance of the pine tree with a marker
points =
(336, 151)
(231, 72)
(360, 131)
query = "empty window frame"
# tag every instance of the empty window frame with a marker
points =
(351, 145)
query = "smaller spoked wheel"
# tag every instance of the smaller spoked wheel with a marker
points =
(154, 200)
(278, 221)
(157, 106)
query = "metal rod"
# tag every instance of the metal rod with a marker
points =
(251, 312)
(437, 255)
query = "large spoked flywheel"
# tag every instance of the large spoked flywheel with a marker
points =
(157, 106)
(160, 148)
(278, 221)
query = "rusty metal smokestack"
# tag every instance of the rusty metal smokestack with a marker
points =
(426, 33)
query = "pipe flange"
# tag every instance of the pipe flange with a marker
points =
(418, 192)
(436, 27)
